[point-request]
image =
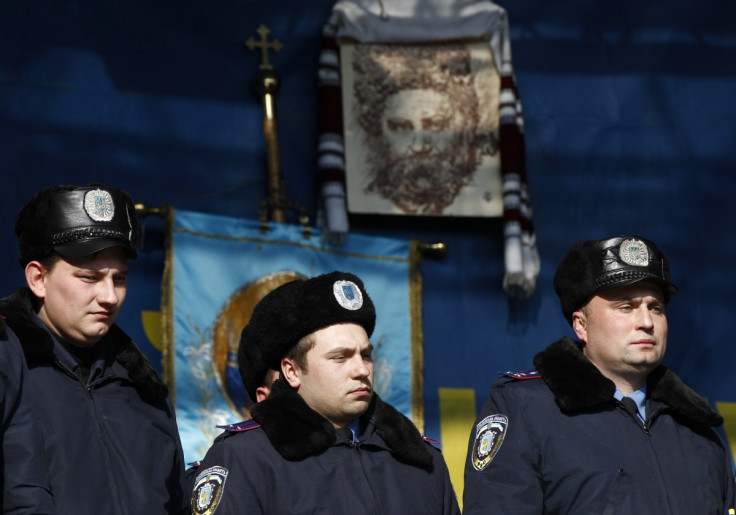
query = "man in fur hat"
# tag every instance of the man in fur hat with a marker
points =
(323, 441)
(601, 426)
(110, 440)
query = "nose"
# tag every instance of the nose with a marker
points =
(107, 293)
(420, 142)
(645, 320)
(361, 368)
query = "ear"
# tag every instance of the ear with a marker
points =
(36, 278)
(291, 372)
(262, 393)
(580, 325)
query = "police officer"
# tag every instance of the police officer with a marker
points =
(601, 426)
(323, 441)
(25, 489)
(257, 379)
(110, 440)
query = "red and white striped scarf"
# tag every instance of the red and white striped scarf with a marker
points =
(367, 21)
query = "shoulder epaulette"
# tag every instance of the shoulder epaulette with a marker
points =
(240, 427)
(429, 440)
(521, 376)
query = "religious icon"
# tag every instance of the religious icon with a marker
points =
(421, 129)
(231, 320)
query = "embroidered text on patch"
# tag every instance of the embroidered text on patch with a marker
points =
(208, 489)
(489, 435)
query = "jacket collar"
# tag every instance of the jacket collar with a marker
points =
(38, 345)
(297, 431)
(579, 386)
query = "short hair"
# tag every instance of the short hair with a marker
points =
(49, 262)
(298, 354)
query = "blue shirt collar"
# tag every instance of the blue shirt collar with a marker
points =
(640, 397)
(354, 427)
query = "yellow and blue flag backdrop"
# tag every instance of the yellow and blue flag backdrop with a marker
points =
(218, 268)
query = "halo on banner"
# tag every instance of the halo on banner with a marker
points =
(229, 323)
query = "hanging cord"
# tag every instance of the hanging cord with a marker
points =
(384, 14)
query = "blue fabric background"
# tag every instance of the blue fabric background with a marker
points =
(214, 256)
(630, 128)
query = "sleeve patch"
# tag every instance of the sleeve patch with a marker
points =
(208, 489)
(489, 435)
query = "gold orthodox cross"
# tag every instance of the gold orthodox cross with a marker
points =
(266, 84)
(264, 45)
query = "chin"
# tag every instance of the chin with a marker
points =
(358, 409)
(94, 337)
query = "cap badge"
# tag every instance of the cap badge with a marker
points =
(99, 205)
(348, 295)
(634, 252)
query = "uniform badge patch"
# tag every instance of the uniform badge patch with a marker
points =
(99, 205)
(348, 295)
(489, 435)
(208, 489)
(634, 252)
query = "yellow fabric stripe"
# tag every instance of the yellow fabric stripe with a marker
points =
(728, 412)
(457, 415)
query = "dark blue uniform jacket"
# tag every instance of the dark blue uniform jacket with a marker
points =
(294, 463)
(110, 444)
(25, 488)
(561, 444)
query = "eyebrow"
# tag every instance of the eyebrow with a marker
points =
(122, 271)
(631, 298)
(339, 350)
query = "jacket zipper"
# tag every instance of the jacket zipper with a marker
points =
(88, 388)
(645, 427)
(356, 446)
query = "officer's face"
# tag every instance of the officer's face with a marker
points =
(625, 332)
(338, 383)
(82, 296)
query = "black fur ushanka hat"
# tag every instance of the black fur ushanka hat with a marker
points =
(300, 307)
(252, 368)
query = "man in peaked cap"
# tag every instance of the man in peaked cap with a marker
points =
(110, 443)
(323, 441)
(601, 426)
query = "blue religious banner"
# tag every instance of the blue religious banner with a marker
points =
(218, 268)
